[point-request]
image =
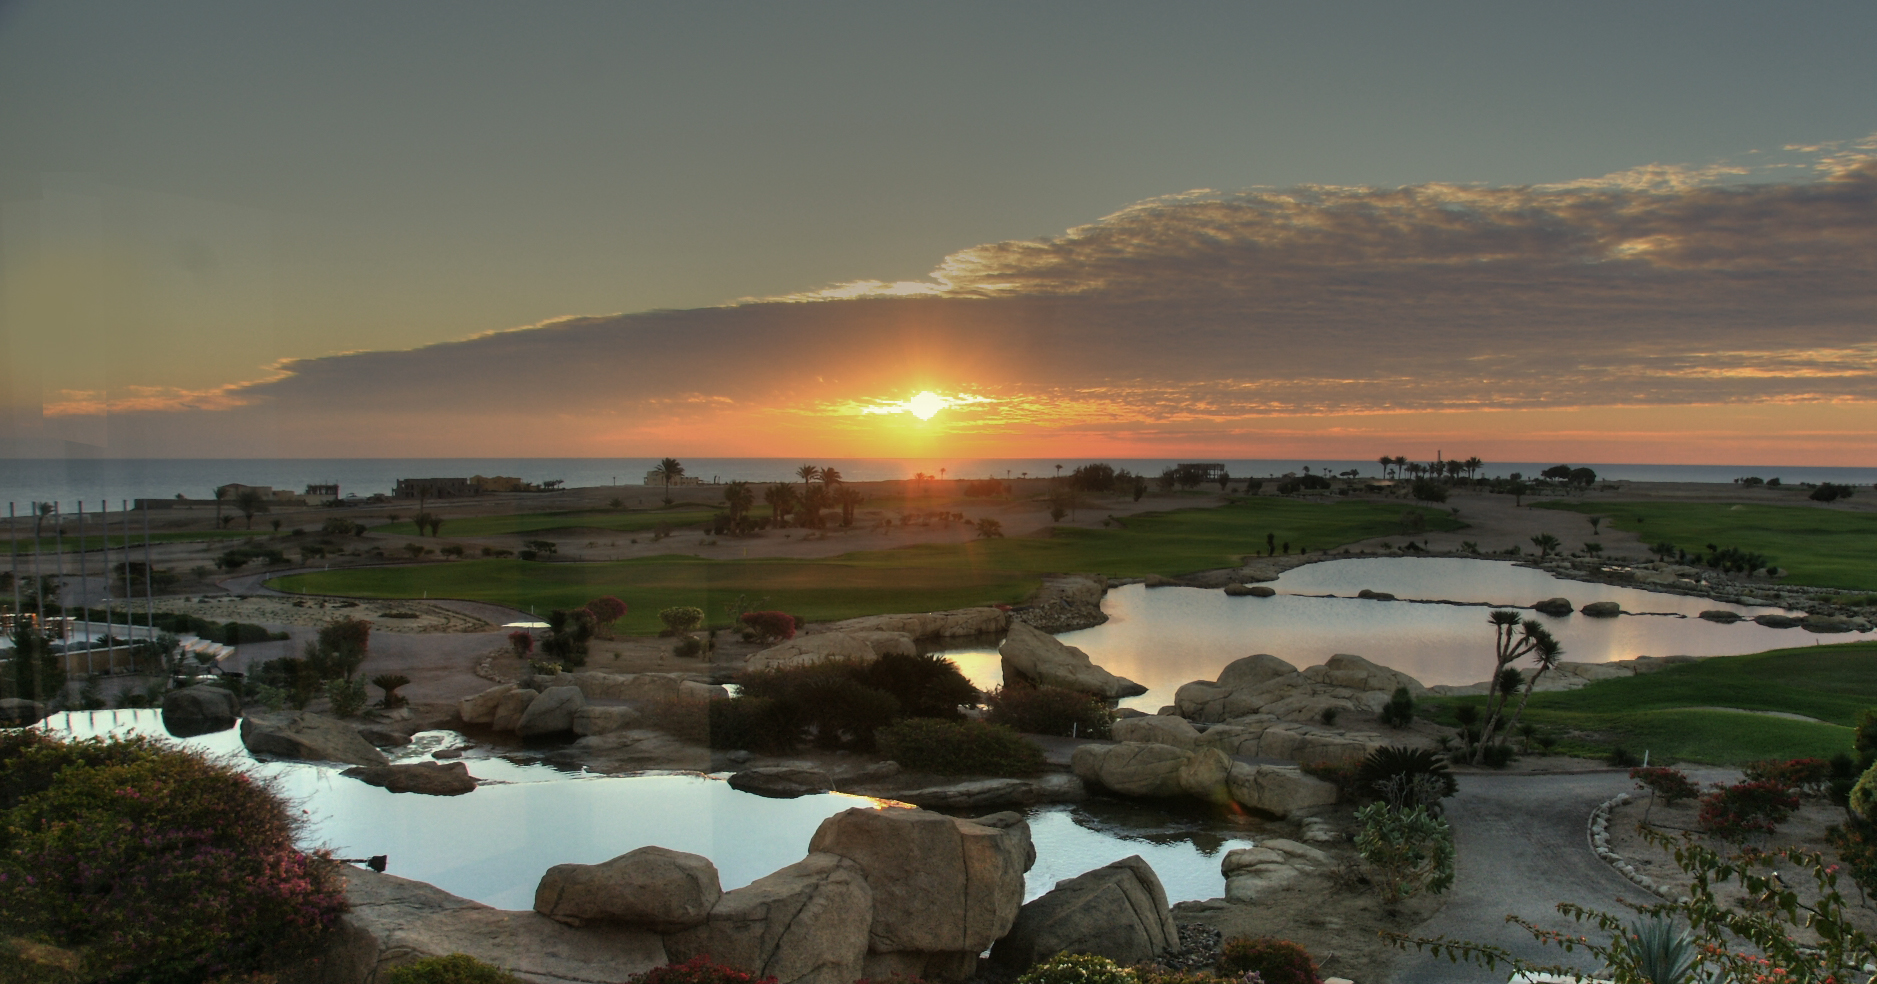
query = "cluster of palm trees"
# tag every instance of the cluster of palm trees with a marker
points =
(1450, 468)
(821, 488)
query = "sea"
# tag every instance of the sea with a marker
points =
(24, 481)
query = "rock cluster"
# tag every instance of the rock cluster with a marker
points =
(585, 703)
(313, 737)
(1253, 872)
(430, 778)
(1118, 911)
(1156, 770)
(1033, 656)
(199, 710)
(822, 647)
(1066, 603)
(928, 625)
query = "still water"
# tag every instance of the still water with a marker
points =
(1165, 637)
(493, 844)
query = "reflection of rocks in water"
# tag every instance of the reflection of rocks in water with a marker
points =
(1166, 822)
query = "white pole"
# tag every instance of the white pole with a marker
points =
(84, 586)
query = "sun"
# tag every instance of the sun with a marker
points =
(926, 404)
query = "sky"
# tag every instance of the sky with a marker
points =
(1595, 231)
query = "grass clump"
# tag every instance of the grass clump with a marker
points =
(958, 748)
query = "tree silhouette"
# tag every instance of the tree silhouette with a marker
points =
(250, 502)
(807, 473)
(670, 470)
(220, 494)
(830, 477)
(781, 500)
(739, 497)
(848, 499)
(1384, 461)
(1545, 543)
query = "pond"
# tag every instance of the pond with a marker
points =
(493, 844)
(1165, 637)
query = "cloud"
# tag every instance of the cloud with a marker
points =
(1653, 287)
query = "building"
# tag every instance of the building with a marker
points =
(433, 488)
(1209, 471)
(656, 477)
(233, 489)
(499, 483)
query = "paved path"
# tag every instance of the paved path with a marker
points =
(1523, 848)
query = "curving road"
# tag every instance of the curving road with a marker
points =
(1523, 848)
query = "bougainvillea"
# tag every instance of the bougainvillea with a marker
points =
(606, 610)
(1672, 785)
(1734, 813)
(699, 970)
(152, 862)
(770, 626)
(521, 641)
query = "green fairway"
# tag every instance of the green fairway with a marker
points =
(1680, 712)
(815, 590)
(617, 520)
(918, 578)
(1823, 547)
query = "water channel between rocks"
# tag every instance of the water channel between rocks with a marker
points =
(1165, 637)
(492, 845)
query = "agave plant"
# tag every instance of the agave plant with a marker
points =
(389, 683)
(1407, 777)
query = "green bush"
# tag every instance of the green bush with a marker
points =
(457, 968)
(1410, 850)
(1399, 711)
(123, 852)
(826, 701)
(1049, 711)
(925, 686)
(754, 724)
(1077, 968)
(348, 697)
(1275, 961)
(681, 618)
(1406, 776)
(958, 748)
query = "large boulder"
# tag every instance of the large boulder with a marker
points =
(809, 650)
(313, 737)
(395, 921)
(200, 710)
(1252, 671)
(1262, 736)
(1602, 609)
(551, 713)
(1132, 768)
(480, 709)
(928, 625)
(1279, 790)
(1252, 873)
(652, 888)
(1118, 911)
(1555, 607)
(888, 643)
(782, 782)
(603, 719)
(1206, 774)
(18, 712)
(429, 778)
(944, 889)
(803, 924)
(1774, 620)
(1723, 615)
(636, 687)
(510, 707)
(1163, 729)
(1031, 654)
(1827, 623)
(1355, 673)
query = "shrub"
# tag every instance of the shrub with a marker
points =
(698, 970)
(1806, 775)
(1049, 711)
(1734, 813)
(457, 968)
(389, 683)
(348, 697)
(1622, 757)
(681, 618)
(1077, 968)
(1497, 755)
(826, 700)
(1407, 776)
(1345, 776)
(752, 723)
(925, 686)
(1672, 785)
(606, 610)
(121, 851)
(1410, 850)
(568, 632)
(1427, 491)
(1399, 711)
(1275, 961)
(521, 641)
(958, 748)
(770, 626)
(689, 647)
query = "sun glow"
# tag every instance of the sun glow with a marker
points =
(926, 404)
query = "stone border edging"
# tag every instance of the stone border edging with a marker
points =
(1598, 831)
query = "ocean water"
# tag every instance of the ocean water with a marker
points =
(67, 480)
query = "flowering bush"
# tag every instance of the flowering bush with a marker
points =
(1733, 813)
(698, 970)
(1672, 785)
(521, 641)
(1806, 775)
(1077, 968)
(1275, 961)
(770, 626)
(152, 863)
(456, 968)
(606, 610)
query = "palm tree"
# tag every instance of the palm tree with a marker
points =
(1401, 461)
(220, 494)
(807, 473)
(250, 502)
(1538, 643)
(848, 499)
(1473, 465)
(1384, 461)
(739, 497)
(1545, 543)
(670, 470)
(830, 477)
(781, 499)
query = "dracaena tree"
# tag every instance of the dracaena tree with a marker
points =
(1514, 639)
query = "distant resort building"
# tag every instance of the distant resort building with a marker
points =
(1209, 471)
(656, 477)
(453, 488)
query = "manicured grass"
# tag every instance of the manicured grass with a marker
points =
(618, 520)
(1671, 714)
(1823, 547)
(815, 590)
(918, 578)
